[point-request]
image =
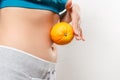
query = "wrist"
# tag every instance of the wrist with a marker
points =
(76, 5)
(76, 2)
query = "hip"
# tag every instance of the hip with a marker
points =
(21, 65)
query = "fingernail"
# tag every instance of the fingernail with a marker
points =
(78, 38)
(83, 39)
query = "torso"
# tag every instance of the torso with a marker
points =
(28, 30)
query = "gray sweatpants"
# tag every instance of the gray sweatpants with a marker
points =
(19, 65)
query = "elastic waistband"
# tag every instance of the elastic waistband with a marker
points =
(24, 62)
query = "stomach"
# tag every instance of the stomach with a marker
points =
(28, 30)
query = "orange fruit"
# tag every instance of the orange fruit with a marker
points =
(62, 33)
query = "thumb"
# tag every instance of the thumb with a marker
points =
(68, 5)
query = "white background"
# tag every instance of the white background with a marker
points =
(98, 58)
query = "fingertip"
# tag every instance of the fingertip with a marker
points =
(78, 38)
(83, 39)
(76, 32)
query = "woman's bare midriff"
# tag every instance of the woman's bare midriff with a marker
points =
(28, 30)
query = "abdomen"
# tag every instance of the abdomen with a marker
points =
(28, 30)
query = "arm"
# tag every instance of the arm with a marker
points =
(72, 14)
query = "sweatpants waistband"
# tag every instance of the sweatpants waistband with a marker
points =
(21, 61)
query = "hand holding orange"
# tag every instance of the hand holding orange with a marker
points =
(62, 33)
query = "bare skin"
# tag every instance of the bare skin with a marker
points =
(28, 30)
(0, 16)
